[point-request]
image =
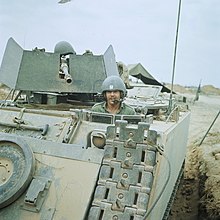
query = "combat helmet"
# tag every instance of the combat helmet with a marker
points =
(113, 83)
(64, 48)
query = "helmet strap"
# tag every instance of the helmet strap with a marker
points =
(104, 96)
(121, 95)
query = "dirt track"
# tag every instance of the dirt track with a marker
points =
(198, 197)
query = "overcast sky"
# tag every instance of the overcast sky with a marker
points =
(140, 31)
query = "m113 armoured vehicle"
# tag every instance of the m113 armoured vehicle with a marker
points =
(59, 160)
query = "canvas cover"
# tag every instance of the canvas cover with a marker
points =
(138, 71)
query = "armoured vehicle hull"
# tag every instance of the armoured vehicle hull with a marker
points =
(78, 164)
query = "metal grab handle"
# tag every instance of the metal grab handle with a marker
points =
(44, 129)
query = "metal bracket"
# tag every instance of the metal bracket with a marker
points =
(19, 119)
(36, 194)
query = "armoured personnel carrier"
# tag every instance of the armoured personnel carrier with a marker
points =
(59, 160)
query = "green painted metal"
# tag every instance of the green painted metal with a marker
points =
(38, 70)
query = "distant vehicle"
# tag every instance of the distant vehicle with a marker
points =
(60, 160)
(63, 1)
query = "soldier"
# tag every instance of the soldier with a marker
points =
(124, 74)
(113, 90)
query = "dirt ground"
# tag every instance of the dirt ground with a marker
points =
(198, 197)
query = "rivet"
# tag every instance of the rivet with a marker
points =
(120, 196)
(125, 175)
(131, 134)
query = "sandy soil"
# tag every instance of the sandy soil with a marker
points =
(198, 196)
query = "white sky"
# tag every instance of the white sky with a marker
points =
(140, 31)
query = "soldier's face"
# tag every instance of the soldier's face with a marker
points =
(113, 97)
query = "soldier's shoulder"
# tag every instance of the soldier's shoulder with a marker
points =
(97, 105)
(129, 109)
(128, 106)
